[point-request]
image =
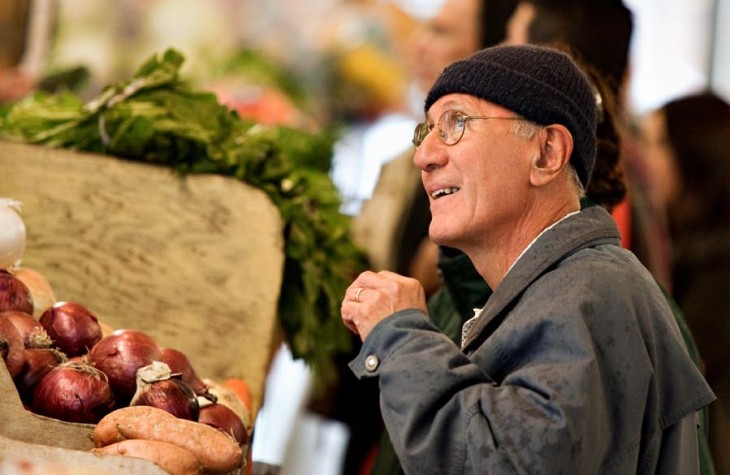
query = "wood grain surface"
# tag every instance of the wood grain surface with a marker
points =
(196, 262)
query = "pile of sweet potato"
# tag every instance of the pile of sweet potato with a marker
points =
(179, 446)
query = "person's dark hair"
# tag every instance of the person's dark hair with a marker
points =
(607, 187)
(698, 131)
(493, 18)
(598, 32)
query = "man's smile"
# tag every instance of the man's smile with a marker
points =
(443, 192)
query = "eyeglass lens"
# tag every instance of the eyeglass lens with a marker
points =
(450, 128)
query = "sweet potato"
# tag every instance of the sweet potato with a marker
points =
(171, 457)
(215, 450)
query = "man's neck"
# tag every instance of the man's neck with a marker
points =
(494, 260)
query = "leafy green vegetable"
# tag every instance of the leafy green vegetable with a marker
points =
(156, 117)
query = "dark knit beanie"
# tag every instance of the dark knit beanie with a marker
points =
(541, 84)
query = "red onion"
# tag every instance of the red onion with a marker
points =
(32, 332)
(40, 289)
(180, 364)
(223, 418)
(38, 363)
(157, 388)
(11, 347)
(72, 327)
(230, 398)
(119, 355)
(14, 294)
(74, 392)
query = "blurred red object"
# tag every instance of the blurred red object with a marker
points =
(263, 104)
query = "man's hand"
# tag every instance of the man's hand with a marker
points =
(375, 296)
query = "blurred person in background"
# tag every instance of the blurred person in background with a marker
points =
(686, 145)
(14, 83)
(25, 34)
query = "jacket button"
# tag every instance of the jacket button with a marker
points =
(371, 363)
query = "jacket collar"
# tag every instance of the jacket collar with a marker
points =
(591, 227)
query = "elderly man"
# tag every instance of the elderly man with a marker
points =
(575, 364)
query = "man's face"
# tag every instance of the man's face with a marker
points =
(479, 187)
(452, 34)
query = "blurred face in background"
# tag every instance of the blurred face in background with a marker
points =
(452, 34)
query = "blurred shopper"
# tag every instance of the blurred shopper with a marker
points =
(25, 34)
(14, 84)
(687, 151)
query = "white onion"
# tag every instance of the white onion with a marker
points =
(12, 233)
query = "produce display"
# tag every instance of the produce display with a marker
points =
(146, 401)
(156, 117)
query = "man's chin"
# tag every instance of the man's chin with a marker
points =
(440, 237)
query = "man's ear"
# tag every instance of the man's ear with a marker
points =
(555, 149)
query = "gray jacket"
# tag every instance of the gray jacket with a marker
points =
(575, 366)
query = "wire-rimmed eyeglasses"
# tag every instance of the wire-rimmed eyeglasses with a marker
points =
(450, 127)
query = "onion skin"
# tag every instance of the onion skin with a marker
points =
(119, 355)
(224, 419)
(74, 392)
(14, 294)
(72, 327)
(38, 363)
(171, 395)
(180, 364)
(40, 289)
(32, 332)
(11, 347)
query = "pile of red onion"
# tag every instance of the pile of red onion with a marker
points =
(64, 367)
